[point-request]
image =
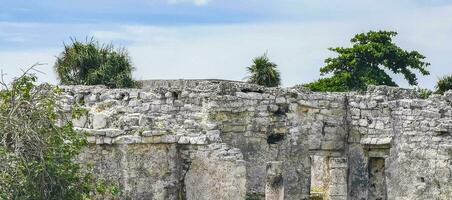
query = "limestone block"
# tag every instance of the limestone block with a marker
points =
(127, 139)
(99, 121)
(213, 135)
(280, 100)
(110, 132)
(184, 140)
(210, 177)
(80, 122)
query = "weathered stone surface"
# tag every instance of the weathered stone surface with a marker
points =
(212, 139)
(274, 187)
(216, 172)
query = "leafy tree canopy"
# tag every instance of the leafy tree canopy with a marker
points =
(90, 63)
(36, 154)
(444, 84)
(263, 72)
(365, 63)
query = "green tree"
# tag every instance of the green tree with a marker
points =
(365, 63)
(444, 84)
(37, 155)
(90, 63)
(263, 72)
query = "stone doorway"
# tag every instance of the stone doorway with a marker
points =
(377, 179)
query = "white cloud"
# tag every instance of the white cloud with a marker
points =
(13, 62)
(196, 2)
(223, 51)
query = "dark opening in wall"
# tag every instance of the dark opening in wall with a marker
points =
(275, 138)
(278, 182)
(81, 100)
(282, 109)
(442, 112)
(121, 96)
(422, 179)
(377, 179)
(246, 90)
(175, 94)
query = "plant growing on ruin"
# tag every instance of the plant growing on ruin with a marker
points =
(91, 63)
(423, 93)
(263, 72)
(444, 84)
(37, 150)
(365, 63)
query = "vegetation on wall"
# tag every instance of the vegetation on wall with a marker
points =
(365, 63)
(91, 63)
(444, 84)
(263, 72)
(423, 92)
(37, 150)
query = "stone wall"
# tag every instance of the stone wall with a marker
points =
(413, 137)
(212, 139)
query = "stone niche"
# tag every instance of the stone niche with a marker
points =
(377, 152)
(377, 179)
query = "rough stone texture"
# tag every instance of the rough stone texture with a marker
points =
(377, 179)
(142, 171)
(215, 173)
(412, 135)
(274, 187)
(212, 139)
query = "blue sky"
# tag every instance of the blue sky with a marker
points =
(170, 39)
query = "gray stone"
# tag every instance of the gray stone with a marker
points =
(212, 139)
(99, 121)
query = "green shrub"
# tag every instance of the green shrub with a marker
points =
(89, 63)
(263, 72)
(444, 84)
(330, 84)
(37, 155)
(423, 92)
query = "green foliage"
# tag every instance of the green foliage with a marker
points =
(330, 84)
(90, 63)
(444, 84)
(423, 92)
(36, 154)
(365, 63)
(263, 72)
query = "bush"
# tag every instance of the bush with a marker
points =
(37, 155)
(444, 84)
(263, 72)
(90, 63)
(330, 84)
(423, 92)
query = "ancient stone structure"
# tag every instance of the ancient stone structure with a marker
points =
(274, 187)
(212, 139)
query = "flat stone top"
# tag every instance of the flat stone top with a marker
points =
(180, 83)
(220, 86)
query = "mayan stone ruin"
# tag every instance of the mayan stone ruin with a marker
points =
(225, 140)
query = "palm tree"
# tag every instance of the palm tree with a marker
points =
(263, 72)
(444, 84)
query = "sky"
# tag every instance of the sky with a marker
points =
(217, 39)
